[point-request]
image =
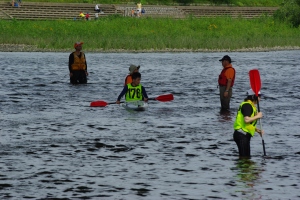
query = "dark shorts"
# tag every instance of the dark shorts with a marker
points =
(78, 77)
(242, 140)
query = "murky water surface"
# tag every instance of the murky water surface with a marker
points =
(53, 145)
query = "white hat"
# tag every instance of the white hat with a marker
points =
(251, 92)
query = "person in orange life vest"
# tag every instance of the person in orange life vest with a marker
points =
(135, 85)
(132, 69)
(245, 123)
(77, 65)
(226, 82)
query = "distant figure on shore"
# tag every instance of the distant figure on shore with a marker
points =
(15, 4)
(97, 9)
(139, 8)
(77, 65)
(96, 16)
(87, 16)
(81, 15)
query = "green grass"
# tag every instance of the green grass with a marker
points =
(147, 33)
(167, 2)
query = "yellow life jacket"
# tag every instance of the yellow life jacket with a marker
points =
(134, 93)
(79, 62)
(240, 122)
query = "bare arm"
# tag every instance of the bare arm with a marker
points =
(227, 87)
(229, 81)
(251, 119)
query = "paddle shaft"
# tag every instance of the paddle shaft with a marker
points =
(255, 83)
(162, 98)
(263, 142)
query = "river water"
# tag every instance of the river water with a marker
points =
(54, 146)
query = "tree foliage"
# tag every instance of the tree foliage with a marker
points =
(185, 2)
(289, 12)
(218, 2)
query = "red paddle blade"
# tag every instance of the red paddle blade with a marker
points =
(165, 97)
(98, 104)
(255, 80)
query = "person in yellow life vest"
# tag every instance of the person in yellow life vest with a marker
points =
(132, 69)
(77, 65)
(245, 123)
(134, 91)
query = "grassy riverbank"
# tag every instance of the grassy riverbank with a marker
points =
(147, 34)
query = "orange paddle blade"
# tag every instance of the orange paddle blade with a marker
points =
(98, 104)
(255, 80)
(165, 97)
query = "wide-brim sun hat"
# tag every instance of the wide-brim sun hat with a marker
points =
(132, 68)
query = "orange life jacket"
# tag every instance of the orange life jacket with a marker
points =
(223, 78)
(79, 62)
(128, 79)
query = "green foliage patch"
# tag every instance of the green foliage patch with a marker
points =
(147, 33)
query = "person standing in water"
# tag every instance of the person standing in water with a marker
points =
(226, 82)
(245, 123)
(77, 65)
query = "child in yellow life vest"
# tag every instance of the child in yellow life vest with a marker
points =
(245, 123)
(134, 91)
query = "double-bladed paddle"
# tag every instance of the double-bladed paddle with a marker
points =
(255, 83)
(162, 98)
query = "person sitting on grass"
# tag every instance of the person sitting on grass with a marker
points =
(134, 91)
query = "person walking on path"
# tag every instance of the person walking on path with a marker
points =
(226, 82)
(245, 123)
(134, 91)
(132, 69)
(77, 65)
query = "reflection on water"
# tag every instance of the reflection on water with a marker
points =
(248, 178)
(54, 146)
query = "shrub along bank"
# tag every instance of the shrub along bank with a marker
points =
(138, 34)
